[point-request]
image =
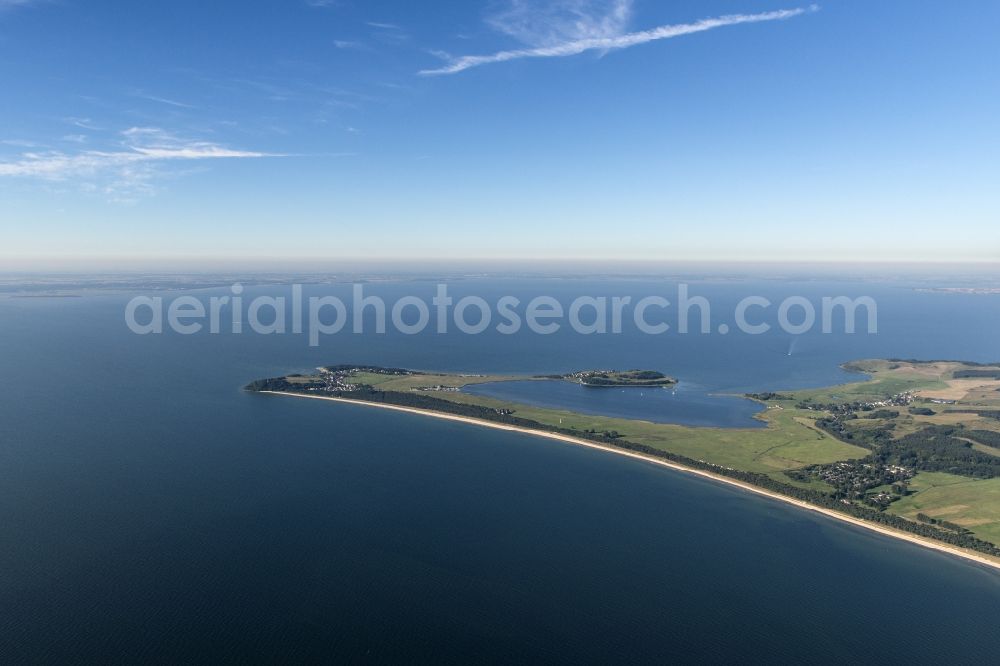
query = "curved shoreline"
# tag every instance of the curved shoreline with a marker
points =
(967, 555)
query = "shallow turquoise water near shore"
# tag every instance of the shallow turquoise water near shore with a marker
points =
(149, 509)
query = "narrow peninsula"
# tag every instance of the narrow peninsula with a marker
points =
(912, 450)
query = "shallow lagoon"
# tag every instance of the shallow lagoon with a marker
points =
(683, 403)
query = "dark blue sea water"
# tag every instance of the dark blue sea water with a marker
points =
(152, 511)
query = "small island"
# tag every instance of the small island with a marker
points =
(619, 378)
(912, 450)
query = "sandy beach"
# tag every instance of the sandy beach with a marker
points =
(968, 555)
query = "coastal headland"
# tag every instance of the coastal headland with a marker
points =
(912, 452)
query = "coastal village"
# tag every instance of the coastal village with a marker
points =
(898, 400)
(341, 379)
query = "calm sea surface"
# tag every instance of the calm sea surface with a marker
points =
(151, 510)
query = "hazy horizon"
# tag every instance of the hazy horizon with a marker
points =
(986, 272)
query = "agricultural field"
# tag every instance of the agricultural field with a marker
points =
(972, 503)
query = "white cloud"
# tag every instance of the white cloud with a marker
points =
(20, 143)
(82, 123)
(59, 166)
(165, 100)
(126, 170)
(348, 44)
(10, 4)
(561, 21)
(593, 33)
(390, 34)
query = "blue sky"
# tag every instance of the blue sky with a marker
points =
(509, 128)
